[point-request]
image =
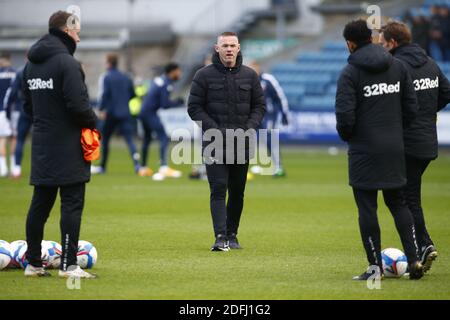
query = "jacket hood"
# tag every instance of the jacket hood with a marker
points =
(219, 65)
(53, 43)
(412, 54)
(372, 58)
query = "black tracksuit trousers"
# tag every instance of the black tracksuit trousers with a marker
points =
(414, 169)
(72, 203)
(223, 178)
(366, 201)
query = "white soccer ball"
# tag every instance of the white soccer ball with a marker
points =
(86, 255)
(256, 169)
(395, 263)
(15, 248)
(54, 251)
(5, 254)
(21, 256)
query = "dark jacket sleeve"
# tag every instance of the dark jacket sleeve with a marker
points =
(75, 94)
(131, 89)
(444, 91)
(257, 106)
(27, 106)
(197, 104)
(346, 99)
(410, 105)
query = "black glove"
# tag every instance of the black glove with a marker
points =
(284, 120)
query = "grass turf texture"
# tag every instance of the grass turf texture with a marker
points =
(300, 236)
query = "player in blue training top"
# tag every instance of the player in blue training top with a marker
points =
(20, 121)
(158, 97)
(276, 105)
(116, 91)
(7, 75)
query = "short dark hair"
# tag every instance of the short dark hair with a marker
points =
(58, 20)
(358, 32)
(397, 31)
(112, 59)
(168, 68)
(229, 34)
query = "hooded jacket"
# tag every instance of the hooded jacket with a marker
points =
(57, 100)
(375, 100)
(433, 93)
(226, 98)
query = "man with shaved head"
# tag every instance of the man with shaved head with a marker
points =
(226, 96)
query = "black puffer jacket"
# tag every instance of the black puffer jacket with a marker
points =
(433, 92)
(56, 97)
(226, 98)
(375, 99)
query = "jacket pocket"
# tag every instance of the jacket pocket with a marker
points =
(244, 92)
(216, 92)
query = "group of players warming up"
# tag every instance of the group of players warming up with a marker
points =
(385, 110)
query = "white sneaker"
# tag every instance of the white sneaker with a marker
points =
(76, 273)
(169, 172)
(16, 172)
(31, 271)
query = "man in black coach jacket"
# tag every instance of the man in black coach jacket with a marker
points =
(375, 100)
(57, 100)
(421, 144)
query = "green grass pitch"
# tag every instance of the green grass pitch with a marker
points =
(300, 236)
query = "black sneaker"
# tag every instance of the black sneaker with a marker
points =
(369, 274)
(428, 256)
(233, 242)
(415, 271)
(221, 243)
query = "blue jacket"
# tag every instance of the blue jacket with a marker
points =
(116, 90)
(14, 99)
(159, 96)
(276, 100)
(7, 75)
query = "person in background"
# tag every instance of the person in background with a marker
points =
(158, 97)
(20, 122)
(7, 75)
(277, 107)
(116, 91)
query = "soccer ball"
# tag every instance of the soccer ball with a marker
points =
(86, 255)
(395, 263)
(21, 256)
(15, 248)
(54, 251)
(5, 254)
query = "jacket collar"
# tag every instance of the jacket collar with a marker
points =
(219, 65)
(67, 40)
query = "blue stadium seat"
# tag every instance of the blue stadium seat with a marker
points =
(323, 103)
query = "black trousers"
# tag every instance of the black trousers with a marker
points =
(72, 203)
(414, 170)
(366, 200)
(223, 178)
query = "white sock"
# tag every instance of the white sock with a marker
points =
(12, 163)
(3, 167)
